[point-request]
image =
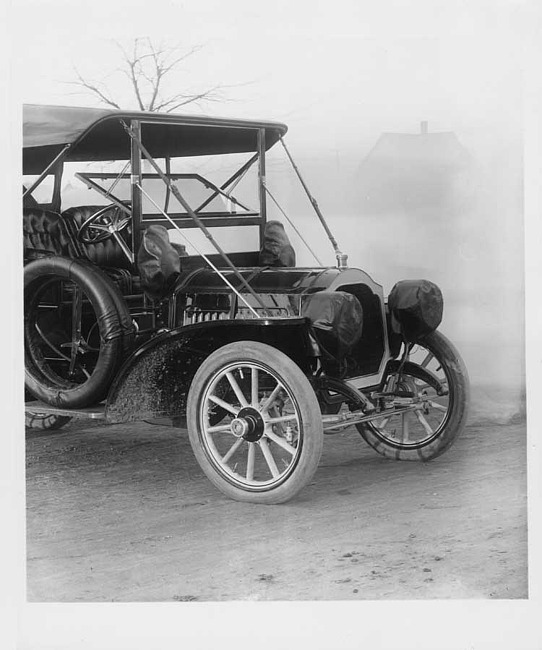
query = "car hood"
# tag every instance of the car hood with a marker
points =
(262, 280)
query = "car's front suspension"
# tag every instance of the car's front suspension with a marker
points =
(340, 421)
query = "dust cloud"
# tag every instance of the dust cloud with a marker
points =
(451, 213)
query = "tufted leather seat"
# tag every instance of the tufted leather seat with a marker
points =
(47, 233)
(105, 253)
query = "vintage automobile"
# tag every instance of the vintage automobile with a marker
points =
(256, 357)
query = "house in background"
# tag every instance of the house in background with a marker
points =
(415, 172)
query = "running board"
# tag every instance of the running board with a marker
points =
(91, 413)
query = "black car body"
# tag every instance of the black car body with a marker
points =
(258, 357)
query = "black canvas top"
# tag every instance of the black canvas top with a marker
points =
(98, 134)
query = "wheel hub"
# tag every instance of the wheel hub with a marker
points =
(248, 425)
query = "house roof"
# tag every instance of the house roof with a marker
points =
(434, 149)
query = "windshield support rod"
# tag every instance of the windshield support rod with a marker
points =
(168, 191)
(46, 171)
(230, 180)
(219, 192)
(318, 261)
(91, 185)
(195, 217)
(341, 257)
(217, 270)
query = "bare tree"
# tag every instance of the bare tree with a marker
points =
(149, 67)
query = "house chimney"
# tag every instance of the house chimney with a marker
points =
(423, 127)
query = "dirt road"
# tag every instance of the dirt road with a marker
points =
(123, 513)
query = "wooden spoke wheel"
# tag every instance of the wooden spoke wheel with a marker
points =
(439, 407)
(267, 443)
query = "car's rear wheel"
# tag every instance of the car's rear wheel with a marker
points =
(268, 441)
(435, 382)
(45, 421)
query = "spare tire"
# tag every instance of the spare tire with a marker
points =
(74, 339)
(126, 322)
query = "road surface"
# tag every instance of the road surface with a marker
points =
(123, 513)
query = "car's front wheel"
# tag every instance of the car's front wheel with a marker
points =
(254, 423)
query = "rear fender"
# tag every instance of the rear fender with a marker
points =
(155, 379)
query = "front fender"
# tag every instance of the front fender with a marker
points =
(415, 370)
(155, 379)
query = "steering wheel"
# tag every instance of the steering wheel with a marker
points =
(108, 222)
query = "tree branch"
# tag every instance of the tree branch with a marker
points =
(132, 64)
(158, 74)
(145, 67)
(92, 88)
